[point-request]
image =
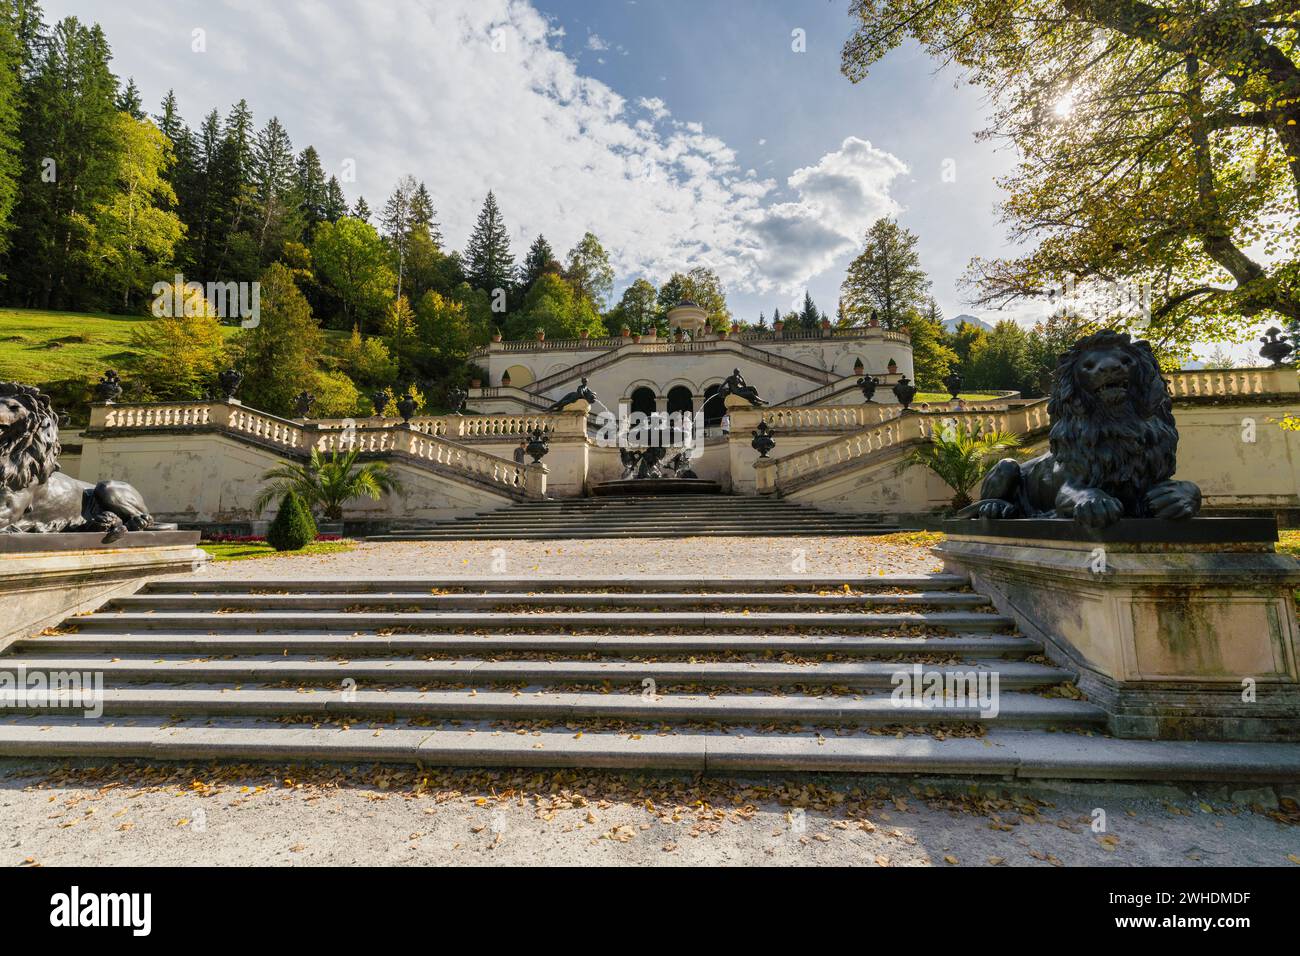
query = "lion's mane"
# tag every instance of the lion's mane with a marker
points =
(1123, 453)
(29, 448)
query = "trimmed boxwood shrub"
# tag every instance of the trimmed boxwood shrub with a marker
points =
(293, 527)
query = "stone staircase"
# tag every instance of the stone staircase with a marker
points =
(669, 516)
(784, 674)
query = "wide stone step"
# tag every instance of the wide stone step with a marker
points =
(1016, 709)
(1011, 754)
(650, 584)
(631, 533)
(425, 601)
(266, 669)
(358, 645)
(634, 621)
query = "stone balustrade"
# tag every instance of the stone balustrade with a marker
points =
(427, 440)
(829, 457)
(1232, 382)
(162, 415)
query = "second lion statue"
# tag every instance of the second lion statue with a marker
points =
(1113, 444)
(35, 496)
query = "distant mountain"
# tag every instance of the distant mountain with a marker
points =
(950, 325)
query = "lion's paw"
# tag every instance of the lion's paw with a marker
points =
(1096, 509)
(1174, 500)
(995, 508)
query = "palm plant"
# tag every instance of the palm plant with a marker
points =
(959, 455)
(326, 484)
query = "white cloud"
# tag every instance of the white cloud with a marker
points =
(472, 95)
(657, 108)
(596, 42)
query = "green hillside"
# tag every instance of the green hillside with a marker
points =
(39, 347)
(65, 353)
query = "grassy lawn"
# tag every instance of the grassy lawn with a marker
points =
(945, 397)
(243, 551)
(38, 346)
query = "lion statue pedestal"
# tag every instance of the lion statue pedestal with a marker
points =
(1095, 551)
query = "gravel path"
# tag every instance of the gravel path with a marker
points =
(242, 816)
(704, 557)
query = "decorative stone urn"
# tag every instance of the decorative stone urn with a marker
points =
(904, 391)
(229, 382)
(109, 387)
(539, 444)
(1275, 349)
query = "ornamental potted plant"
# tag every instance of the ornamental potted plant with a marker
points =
(505, 378)
(496, 335)
(625, 332)
(826, 324)
(893, 367)
(541, 334)
(584, 335)
(778, 325)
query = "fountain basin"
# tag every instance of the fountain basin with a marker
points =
(636, 487)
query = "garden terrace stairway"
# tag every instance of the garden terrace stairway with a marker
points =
(669, 516)
(784, 674)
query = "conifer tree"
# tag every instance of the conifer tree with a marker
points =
(489, 265)
(70, 156)
(336, 204)
(540, 257)
(312, 191)
(11, 56)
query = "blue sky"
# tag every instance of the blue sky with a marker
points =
(681, 133)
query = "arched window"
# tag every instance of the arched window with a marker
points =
(643, 401)
(714, 409)
(682, 403)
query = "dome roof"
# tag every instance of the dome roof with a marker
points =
(687, 303)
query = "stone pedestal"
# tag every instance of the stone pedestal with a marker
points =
(46, 578)
(1182, 630)
(535, 480)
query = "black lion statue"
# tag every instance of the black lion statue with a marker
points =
(35, 495)
(1113, 444)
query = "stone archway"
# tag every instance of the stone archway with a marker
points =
(714, 409)
(681, 402)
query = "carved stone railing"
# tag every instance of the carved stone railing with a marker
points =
(162, 415)
(420, 445)
(1233, 382)
(574, 372)
(831, 457)
(746, 336)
